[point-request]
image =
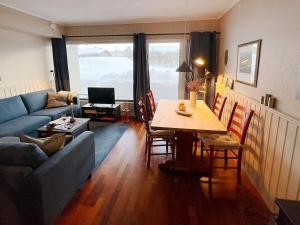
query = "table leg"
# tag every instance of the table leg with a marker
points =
(185, 160)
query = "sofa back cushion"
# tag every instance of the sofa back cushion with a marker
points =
(21, 154)
(11, 108)
(36, 100)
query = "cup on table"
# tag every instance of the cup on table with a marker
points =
(63, 116)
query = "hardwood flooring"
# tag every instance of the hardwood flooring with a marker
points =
(123, 191)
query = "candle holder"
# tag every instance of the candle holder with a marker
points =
(72, 119)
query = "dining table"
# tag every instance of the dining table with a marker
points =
(202, 120)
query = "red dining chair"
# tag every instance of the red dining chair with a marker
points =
(152, 105)
(155, 135)
(233, 141)
(218, 105)
(217, 109)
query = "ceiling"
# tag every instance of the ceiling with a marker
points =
(80, 12)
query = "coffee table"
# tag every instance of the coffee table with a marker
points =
(74, 129)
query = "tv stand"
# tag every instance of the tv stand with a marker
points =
(101, 112)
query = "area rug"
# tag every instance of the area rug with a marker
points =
(106, 136)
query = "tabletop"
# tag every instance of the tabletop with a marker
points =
(78, 124)
(203, 119)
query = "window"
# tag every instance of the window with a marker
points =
(163, 62)
(102, 65)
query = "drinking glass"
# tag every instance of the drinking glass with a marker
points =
(63, 116)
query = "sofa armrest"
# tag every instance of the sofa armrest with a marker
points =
(56, 181)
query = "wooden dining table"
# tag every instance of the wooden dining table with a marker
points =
(202, 120)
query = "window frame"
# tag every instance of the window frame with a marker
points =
(182, 56)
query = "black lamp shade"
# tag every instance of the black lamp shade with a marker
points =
(184, 67)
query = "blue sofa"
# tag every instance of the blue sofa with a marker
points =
(37, 196)
(26, 113)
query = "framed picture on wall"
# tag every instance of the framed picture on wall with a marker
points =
(248, 63)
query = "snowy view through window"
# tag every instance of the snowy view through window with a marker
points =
(163, 62)
(107, 65)
(111, 65)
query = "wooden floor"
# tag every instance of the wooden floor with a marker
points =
(122, 191)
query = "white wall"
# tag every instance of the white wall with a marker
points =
(24, 58)
(165, 27)
(276, 22)
(271, 155)
(25, 52)
(18, 21)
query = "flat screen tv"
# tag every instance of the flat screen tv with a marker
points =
(101, 95)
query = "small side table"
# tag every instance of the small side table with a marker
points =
(126, 111)
(288, 212)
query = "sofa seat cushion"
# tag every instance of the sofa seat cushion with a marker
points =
(23, 124)
(36, 100)
(21, 154)
(11, 108)
(220, 141)
(55, 113)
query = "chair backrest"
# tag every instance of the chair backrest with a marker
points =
(143, 114)
(218, 105)
(239, 121)
(151, 101)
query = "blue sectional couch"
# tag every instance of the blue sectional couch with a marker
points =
(36, 194)
(25, 113)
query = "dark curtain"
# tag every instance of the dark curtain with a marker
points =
(141, 80)
(204, 45)
(61, 71)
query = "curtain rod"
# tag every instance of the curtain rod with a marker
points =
(125, 35)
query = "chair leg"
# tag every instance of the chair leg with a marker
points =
(146, 146)
(150, 142)
(226, 156)
(173, 148)
(195, 143)
(167, 145)
(202, 150)
(211, 158)
(239, 166)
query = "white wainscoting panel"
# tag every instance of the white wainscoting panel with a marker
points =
(10, 91)
(271, 157)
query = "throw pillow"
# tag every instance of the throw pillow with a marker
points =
(67, 96)
(49, 145)
(55, 101)
(21, 154)
(63, 95)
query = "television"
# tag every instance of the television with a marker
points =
(101, 95)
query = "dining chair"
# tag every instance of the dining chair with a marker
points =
(218, 105)
(155, 135)
(233, 141)
(151, 102)
(217, 109)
